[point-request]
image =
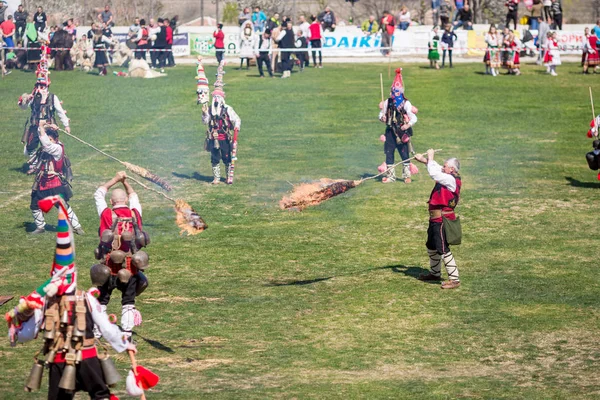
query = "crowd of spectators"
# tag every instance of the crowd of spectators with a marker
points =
(23, 35)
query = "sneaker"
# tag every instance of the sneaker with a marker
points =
(79, 231)
(162, 70)
(407, 180)
(38, 231)
(553, 73)
(450, 285)
(430, 277)
(7, 72)
(320, 66)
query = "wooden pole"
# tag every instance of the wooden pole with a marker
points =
(381, 84)
(592, 101)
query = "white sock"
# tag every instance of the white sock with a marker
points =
(38, 218)
(435, 262)
(451, 267)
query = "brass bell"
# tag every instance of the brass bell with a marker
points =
(140, 260)
(78, 357)
(64, 319)
(50, 356)
(111, 375)
(67, 381)
(124, 275)
(126, 236)
(35, 377)
(99, 274)
(117, 257)
(97, 253)
(77, 334)
(107, 236)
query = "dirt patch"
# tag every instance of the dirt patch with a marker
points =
(180, 299)
(199, 365)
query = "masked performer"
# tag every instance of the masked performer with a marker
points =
(44, 105)
(121, 241)
(223, 128)
(399, 116)
(442, 201)
(65, 316)
(52, 176)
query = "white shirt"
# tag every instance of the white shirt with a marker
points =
(435, 172)
(101, 205)
(492, 40)
(54, 149)
(404, 17)
(264, 48)
(407, 107)
(233, 117)
(305, 28)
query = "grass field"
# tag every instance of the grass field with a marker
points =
(325, 303)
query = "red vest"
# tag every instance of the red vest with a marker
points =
(315, 31)
(106, 221)
(49, 179)
(442, 198)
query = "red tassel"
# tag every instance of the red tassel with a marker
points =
(398, 71)
(46, 204)
(589, 134)
(599, 176)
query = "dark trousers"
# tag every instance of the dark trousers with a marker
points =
(512, 15)
(161, 57)
(140, 53)
(127, 290)
(390, 146)
(20, 31)
(286, 64)
(154, 56)
(316, 46)
(436, 238)
(220, 53)
(449, 57)
(444, 19)
(89, 378)
(558, 21)
(222, 153)
(169, 59)
(264, 58)
(301, 57)
(547, 12)
(62, 60)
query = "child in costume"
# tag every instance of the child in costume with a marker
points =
(552, 56)
(434, 55)
(492, 55)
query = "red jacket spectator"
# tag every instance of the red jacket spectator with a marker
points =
(388, 22)
(169, 35)
(219, 39)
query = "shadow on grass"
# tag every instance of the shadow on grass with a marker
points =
(30, 227)
(22, 169)
(413, 272)
(195, 176)
(155, 343)
(275, 283)
(577, 183)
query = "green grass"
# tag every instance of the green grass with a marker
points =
(325, 303)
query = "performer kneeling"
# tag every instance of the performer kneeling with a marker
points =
(442, 201)
(121, 240)
(399, 116)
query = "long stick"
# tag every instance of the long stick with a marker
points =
(92, 146)
(134, 368)
(381, 84)
(393, 166)
(151, 189)
(593, 113)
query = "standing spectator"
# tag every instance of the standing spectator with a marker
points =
(536, 15)
(259, 19)
(547, 9)
(512, 12)
(435, 11)
(590, 52)
(132, 33)
(304, 26)
(39, 19)
(71, 28)
(8, 30)
(445, 12)
(464, 19)
(370, 26)
(492, 55)
(433, 55)
(557, 14)
(153, 29)
(100, 45)
(245, 15)
(20, 23)
(160, 44)
(387, 32)
(286, 43)
(106, 16)
(247, 43)
(219, 43)
(542, 38)
(327, 19)
(273, 22)
(107, 32)
(170, 57)
(596, 31)
(302, 44)
(3, 8)
(404, 18)
(263, 53)
(62, 39)
(142, 44)
(552, 56)
(448, 38)
(458, 5)
(316, 37)
(584, 47)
